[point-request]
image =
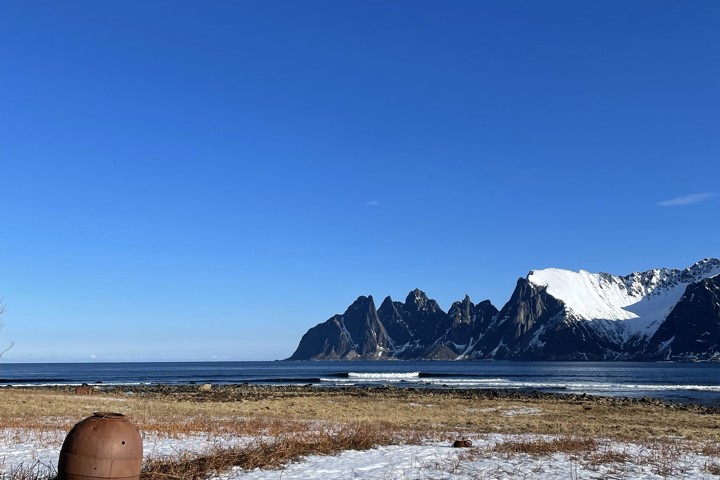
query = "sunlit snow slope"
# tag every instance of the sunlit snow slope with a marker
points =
(640, 300)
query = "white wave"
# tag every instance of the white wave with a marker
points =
(384, 375)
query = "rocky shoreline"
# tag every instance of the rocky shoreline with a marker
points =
(254, 392)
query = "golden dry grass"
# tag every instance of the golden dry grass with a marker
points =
(549, 446)
(420, 411)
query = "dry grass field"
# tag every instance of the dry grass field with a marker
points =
(232, 409)
(311, 420)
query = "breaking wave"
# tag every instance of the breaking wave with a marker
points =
(374, 376)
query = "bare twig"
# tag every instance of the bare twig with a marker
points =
(2, 311)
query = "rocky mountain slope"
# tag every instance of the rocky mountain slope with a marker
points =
(553, 314)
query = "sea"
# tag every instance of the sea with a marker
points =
(676, 382)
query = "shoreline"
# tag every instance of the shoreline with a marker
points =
(224, 393)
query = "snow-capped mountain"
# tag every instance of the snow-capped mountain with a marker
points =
(624, 309)
(553, 314)
(640, 300)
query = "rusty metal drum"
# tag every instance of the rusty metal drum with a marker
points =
(104, 446)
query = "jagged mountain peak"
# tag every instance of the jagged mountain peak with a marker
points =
(464, 302)
(659, 280)
(364, 299)
(464, 305)
(707, 267)
(387, 302)
(418, 301)
(416, 296)
(362, 303)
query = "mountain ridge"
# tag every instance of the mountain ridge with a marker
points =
(552, 314)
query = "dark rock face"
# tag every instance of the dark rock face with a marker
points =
(424, 316)
(391, 316)
(466, 327)
(692, 330)
(418, 328)
(357, 333)
(533, 325)
(521, 323)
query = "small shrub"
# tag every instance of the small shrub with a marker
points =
(609, 456)
(711, 449)
(36, 471)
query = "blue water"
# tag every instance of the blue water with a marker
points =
(683, 382)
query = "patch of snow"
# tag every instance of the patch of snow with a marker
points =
(347, 334)
(535, 341)
(401, 349)
(511, 411)
(437, 461)
(665, 346)
(494, 350)
(432, 460)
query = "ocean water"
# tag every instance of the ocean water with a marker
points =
(681, 382)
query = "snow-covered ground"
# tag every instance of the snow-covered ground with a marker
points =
(434, 460)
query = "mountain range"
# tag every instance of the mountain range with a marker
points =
(553, 314)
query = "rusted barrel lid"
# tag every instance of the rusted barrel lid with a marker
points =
(104, 446)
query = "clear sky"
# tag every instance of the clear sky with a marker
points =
(207, 180)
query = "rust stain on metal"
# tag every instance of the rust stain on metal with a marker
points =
(104, 446)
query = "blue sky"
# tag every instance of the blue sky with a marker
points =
(207, 180)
